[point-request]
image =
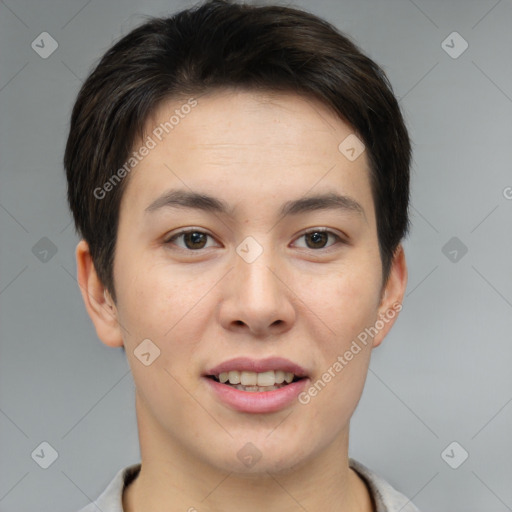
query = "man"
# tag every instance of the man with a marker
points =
(239, 177)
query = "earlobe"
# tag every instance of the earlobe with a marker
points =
(392, 296)
(98, 303)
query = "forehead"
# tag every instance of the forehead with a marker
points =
(239, 115)
(241, 143)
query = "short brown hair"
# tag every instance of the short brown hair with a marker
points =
(220, 44)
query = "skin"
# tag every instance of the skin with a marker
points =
(254, 151)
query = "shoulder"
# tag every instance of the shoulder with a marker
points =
(386, 497)
(111, 499)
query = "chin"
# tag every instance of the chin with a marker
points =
(258, 458)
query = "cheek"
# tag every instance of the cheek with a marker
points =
(347, 308)
(148, 291)
(347, 304)
(164, 306)
(159, 308)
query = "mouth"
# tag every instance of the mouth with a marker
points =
(257, 386)
(253, 382)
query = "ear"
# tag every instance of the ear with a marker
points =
(392, 295)
(98, 302)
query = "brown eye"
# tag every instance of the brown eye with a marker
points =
(319, 239)
(192, 239)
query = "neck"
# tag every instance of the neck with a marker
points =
(171, 475)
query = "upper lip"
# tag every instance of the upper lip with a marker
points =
(258, 365)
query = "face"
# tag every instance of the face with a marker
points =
(281, 261)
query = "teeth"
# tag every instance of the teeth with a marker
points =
(254, 389)
(279, 377)
(234, 377)
(264, 379)
(248, 378)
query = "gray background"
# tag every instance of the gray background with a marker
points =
(442, 375)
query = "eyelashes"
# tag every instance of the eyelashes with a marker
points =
(195, 240)
(324, 235)
(190, 235)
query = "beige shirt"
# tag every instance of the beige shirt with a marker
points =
(386, 498)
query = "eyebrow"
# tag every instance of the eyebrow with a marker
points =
(207, 203)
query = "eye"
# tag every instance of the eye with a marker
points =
(193, 239)
(318, 238)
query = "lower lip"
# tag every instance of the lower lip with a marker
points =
(257, 401)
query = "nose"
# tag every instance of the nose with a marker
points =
(256, 298)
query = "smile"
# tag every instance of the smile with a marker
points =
(256, 386)
(256, 382)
